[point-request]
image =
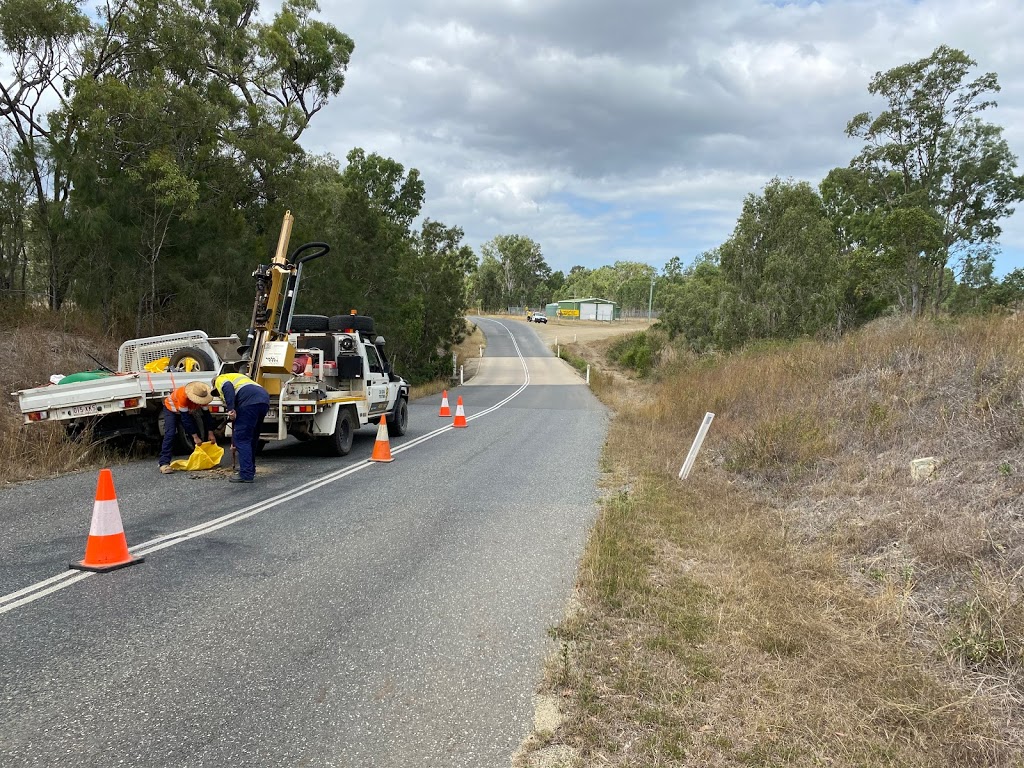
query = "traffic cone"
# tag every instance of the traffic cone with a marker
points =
(446, 412)
(309, 367)
(382, 448)
(106, 548)
(460, 414)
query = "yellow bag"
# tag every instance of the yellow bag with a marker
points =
(158, 366)
(205, 456)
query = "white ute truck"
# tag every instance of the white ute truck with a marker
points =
(347, 384)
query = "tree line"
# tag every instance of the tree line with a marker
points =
(149, 148)
(910, 226)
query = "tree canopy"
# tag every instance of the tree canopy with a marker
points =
(910, 225)
(151, 148)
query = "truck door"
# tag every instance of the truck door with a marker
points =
(377, 382)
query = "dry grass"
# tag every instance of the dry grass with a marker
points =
(33, 347)
(801, 600)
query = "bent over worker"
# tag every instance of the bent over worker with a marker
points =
(247, 403)
(185, 405)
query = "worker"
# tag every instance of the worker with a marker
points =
(185, 406)
(247, 403)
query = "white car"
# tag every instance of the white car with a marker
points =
(539, 317)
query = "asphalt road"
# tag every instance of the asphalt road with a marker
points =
(335, 613)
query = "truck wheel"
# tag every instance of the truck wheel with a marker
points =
(309, 323)
(183, 442)
(340, 443)
(191, 359)
(399, 421)
(361, 323)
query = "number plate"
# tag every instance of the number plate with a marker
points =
(84, 410)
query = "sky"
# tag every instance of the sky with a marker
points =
(632, 130)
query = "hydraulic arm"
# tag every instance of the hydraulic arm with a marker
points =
(277, 284)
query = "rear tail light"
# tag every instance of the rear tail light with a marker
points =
(38, 416)
(131, 402)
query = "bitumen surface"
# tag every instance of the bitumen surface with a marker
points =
(337, 612)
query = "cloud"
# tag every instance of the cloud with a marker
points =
(578, 122)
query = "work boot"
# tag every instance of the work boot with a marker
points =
(239, 479)
(165, 469)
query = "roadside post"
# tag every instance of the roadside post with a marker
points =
(684, 472)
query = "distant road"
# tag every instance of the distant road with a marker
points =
(335, 613)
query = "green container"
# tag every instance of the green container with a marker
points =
(84, 376)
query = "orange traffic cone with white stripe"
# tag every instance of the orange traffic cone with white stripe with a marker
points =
(460, 414)
(382, 448)
(107, 548)
(308, 370)
(446, 412)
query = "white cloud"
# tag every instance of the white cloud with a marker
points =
(581, 122)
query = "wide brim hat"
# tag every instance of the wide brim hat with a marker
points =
(198, 392)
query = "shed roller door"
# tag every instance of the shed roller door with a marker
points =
(604, 312)
(588, 311)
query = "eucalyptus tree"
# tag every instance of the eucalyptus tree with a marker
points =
(264, 81)
(780, 266)
(932, 175)
(523, 269)
(439, 268)
(691, 299)
(485, 284)
(15, 186)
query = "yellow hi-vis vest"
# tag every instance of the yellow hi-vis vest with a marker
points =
(238, 380)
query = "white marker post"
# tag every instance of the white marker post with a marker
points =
(455, 364)
(462, 378)
(588, 374)
(481, 350)
(697, 442)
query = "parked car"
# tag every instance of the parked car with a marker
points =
(540, 317)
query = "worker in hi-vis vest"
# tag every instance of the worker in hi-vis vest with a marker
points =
(247, 403)
(186, 405)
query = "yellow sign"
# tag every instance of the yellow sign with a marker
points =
(568, 313)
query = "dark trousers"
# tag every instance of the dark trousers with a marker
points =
(245, 434)
(191, 424)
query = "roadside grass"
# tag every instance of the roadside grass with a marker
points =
(801, 600)
(36, 346)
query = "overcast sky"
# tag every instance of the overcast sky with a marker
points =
(632, 129)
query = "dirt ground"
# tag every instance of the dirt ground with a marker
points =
(583, 331)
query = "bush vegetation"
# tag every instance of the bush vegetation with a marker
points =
(803, 600)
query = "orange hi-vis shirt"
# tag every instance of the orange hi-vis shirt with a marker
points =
(178, 402)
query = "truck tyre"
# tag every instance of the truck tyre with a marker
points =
(340, 443)
(398, 422)
(309, 323)
(361, 323)
(191, 359)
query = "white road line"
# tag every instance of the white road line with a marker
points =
(48, 586)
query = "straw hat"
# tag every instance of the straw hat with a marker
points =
(198, 392)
